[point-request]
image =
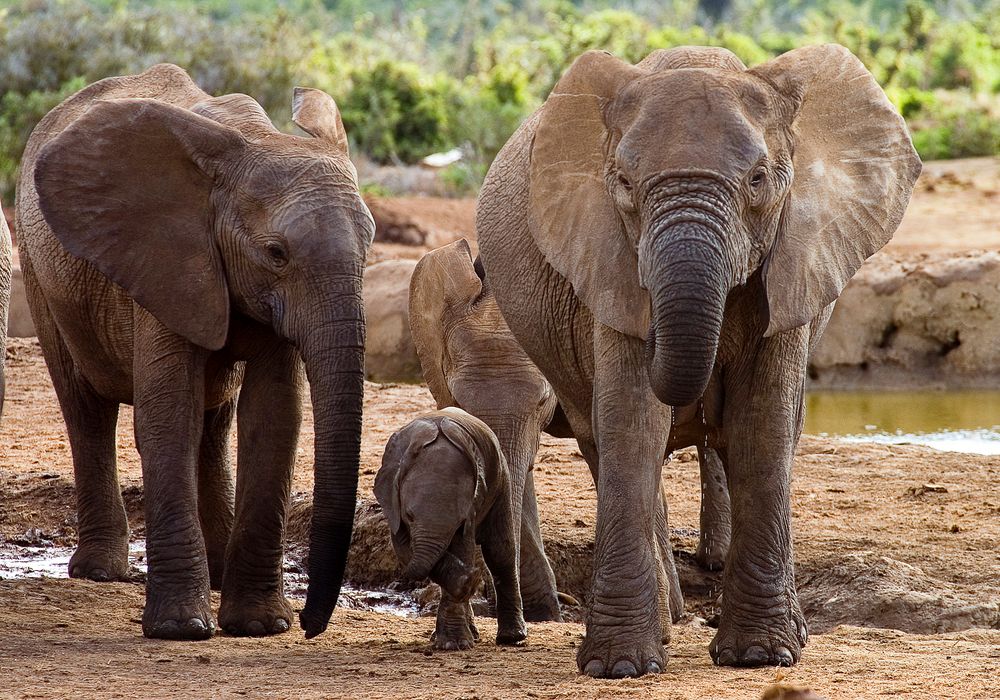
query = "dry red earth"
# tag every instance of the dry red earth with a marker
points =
(896, 548)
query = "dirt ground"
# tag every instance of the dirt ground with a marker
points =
(897, 559)
(874, 547)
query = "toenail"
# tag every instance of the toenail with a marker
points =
(754, 656)
(624, 669)
(654, 667)
(255, 628)
(784, 657)
(594, 669)
(281, 625)
(727, 657)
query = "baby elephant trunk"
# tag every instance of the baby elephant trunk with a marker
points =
(445, 569)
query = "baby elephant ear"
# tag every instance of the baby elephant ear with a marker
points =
(571, 214)
(387, 480)
(443, 286)
(854, 171)
(316, 113)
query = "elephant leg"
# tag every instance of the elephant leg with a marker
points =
(713, 541)
(102, 551)
(761, 622)
(455, 628)
(216, 493)
(268, 417)
(169, 414)
(538, 581)
(500, 552)
(624, 625)
(672, 599)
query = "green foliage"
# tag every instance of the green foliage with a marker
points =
(417, 76)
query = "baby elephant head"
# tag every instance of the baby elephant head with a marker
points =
(432, 477)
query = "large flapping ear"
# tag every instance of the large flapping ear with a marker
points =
(854, 171)
(387, 479)
(571, 214)
(316, 113)
(127, 187)
(444, 283)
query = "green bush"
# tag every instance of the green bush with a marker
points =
(393, 113)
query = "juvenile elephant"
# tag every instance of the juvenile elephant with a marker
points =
(666, 241)
(470, 359)
(182, 255)
(5, 272)
(445, 487)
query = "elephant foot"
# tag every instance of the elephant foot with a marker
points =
(456, 628)
(776, 640)
(164, 618)
(711, 555)
(512, 633)
(107, 561)
(611, 653)
(253, 617)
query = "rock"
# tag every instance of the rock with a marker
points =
(389, 352)
(921, 323)
(20, 324)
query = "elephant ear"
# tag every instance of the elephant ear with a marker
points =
(854, 171)
(127, 187)
(472, 437)
(316, 113)
(571, 214)
(443, 282)
(387, 479)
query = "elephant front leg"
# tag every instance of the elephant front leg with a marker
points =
(761, 622)
(538, 581)
(715, 532)
(500, 551)
(268, 417)
(169, 408)
(624, 626)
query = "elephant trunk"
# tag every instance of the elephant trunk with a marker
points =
(688, 289)
(333, 352)
(425, 553)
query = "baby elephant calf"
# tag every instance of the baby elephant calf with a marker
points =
(444, 488)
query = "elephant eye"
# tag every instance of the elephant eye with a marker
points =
(277, 253)
(623, 181)
(758, 177)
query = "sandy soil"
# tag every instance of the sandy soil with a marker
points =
(873, 545)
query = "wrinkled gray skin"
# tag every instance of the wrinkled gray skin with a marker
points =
(5, 268)
(444, 487)
(183, 256)
(673, 234)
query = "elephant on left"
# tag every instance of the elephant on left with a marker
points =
(182, 255)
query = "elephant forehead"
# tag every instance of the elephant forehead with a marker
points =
(692, 119)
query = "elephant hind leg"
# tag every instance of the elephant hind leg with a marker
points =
(713, 541)
(216, 491)
(91, 421)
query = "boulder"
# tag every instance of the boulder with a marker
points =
(19, 323)
(389, 352)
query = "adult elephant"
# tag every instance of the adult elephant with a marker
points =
(674, 234)
(182, 255)
(5, 271)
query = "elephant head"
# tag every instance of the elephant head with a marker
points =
(431, 480)
(205, 214)
(470, 358)
(656, 189)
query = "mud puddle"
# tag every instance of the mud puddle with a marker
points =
(41, 559)
(952, 421)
